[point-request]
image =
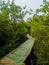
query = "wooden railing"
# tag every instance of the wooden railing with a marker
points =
(19, 55)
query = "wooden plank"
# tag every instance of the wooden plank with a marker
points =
(12, 63)
(19, 54)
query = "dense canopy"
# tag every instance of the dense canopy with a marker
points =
(14, 30)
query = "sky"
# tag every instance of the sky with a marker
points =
(31, 4)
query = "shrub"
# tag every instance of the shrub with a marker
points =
(41, 47)
(11, 35)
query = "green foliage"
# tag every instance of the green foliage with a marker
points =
(41, 34)
(21, 31)
(40, 31)
(7, 36)
(13, 31)
(11, 35)
(44, 8)
(11, 11)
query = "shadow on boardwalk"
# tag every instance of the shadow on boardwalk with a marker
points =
(31, 59)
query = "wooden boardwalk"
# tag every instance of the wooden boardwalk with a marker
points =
(18, 55)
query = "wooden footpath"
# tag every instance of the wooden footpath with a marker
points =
(18, 55)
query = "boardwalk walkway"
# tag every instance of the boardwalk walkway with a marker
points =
(19, 55)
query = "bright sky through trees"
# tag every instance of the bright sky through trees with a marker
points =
(31, 4)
